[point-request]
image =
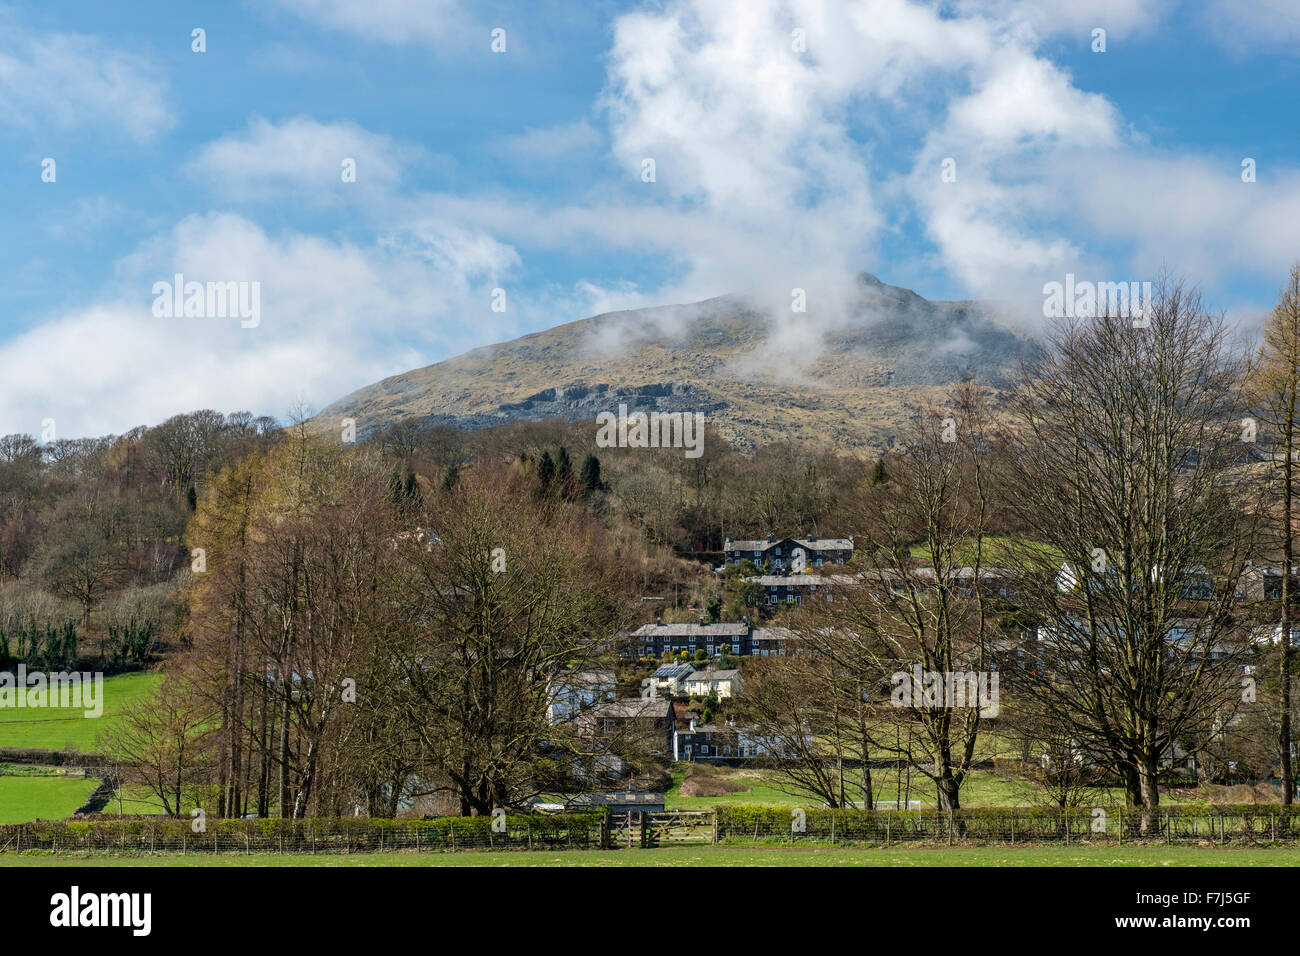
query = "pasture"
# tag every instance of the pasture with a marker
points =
(60, 728)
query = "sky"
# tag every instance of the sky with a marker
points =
(521, 165)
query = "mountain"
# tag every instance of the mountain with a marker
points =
(756, 376)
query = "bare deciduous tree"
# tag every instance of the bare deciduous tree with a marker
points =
(1125, 473)
(1273, 390)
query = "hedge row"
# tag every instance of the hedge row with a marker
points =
(589, 829)
(1223, 822)
(517, 831)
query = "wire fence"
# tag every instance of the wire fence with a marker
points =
(598, 829)
(1224, 824)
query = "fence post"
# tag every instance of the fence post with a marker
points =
(645, 830)
(715, 824)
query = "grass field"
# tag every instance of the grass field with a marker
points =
(981, 789)
(137, 799)
(719, 856)
(25, 798)
(997, 550)
(69, 729)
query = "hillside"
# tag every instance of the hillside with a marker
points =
(757, 378)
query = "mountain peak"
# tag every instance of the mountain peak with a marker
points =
(757, 377)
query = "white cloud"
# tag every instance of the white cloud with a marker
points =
(554, 142)
(1062, 18)
(766, 158)
(769, 177)
(334, 317)
(1244, 28)
(435, 23)
(301, 155)
(74, 83)
(766, 153)
(1191, 212)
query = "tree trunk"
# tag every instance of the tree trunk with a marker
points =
(949, 793)
(1148, 781)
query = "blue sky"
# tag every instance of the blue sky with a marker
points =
(795, 143)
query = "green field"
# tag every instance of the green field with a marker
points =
(720, 856)
(69, 729)
(980, 789)
(136, 799)
(28, 797)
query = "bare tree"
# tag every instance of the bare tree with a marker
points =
(504, 597)
(903, 613)
(1124, 473)
(810, 719)
(1274, 395)
(163, 745)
